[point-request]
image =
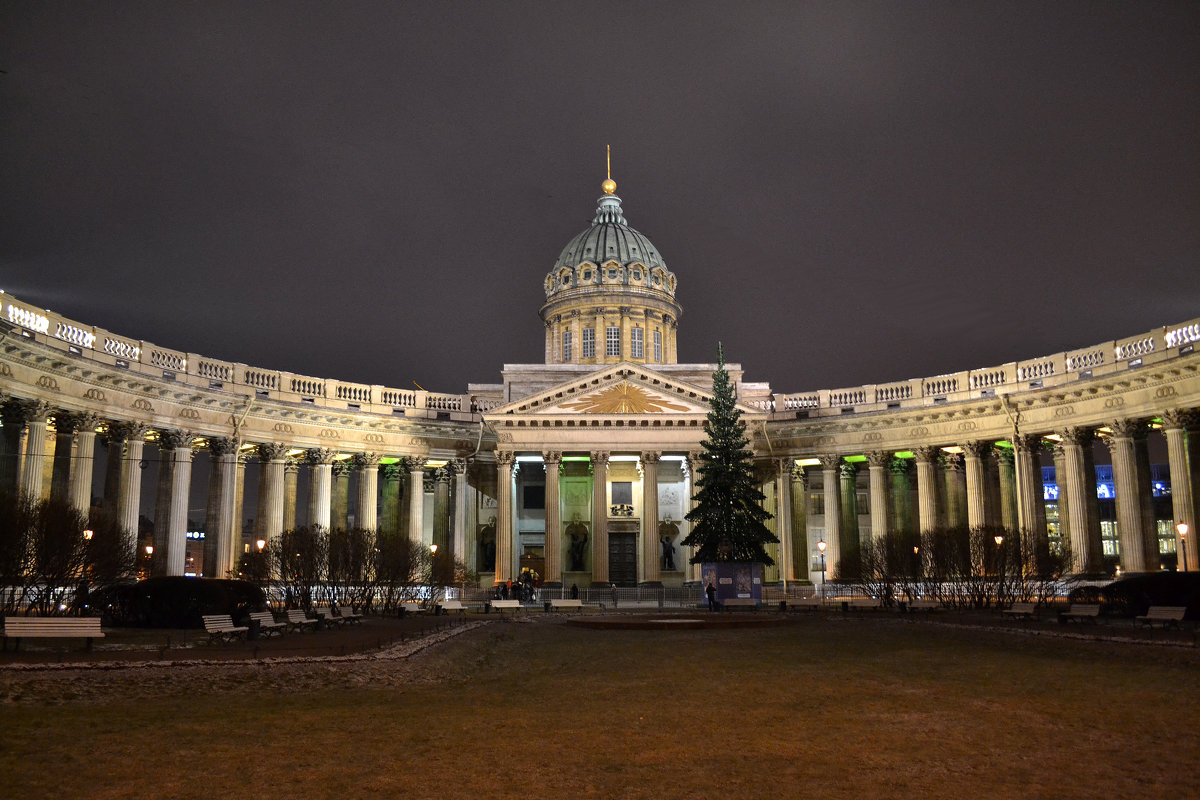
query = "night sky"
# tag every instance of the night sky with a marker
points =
(849, 193)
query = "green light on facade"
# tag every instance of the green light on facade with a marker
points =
(904, 454)
(855, 459)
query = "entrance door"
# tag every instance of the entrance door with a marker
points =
(622, 558)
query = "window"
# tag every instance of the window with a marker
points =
(566, 346)
(587, 274)
(612, 341)
(589, 343)
(637, 346)
(657, 345)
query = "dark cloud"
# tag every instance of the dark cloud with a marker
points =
(848, 193)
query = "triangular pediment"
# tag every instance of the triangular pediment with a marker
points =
(615, 390)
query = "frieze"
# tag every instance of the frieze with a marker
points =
(872, 437)
(327, 433)
(283, 427)
(48, 383)
(189, 413)
(967, 426)
(1114, 402)
(373, 438)
(95, 394)
(1164, 391)
(918, 432)
(1064, 411)
(142, 404)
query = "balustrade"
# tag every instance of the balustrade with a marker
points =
(1134, 348)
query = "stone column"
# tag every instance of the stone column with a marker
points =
(291, 491)
(651, 549)
(1031, 506)
(36, 412)
(12, 415)
(321, 491)
(390, 516)
(975, 454)
(268, 523)
(927, 488)
(877, 463)
(170, 542)
(220, 550)
(416, 499)
(901, 470)
(851, 542)
(125, 440)
(1082, 503)
(79, 490)
(366, 509)
(833, 515)
(64, 440)
(1139, 546)
(239, 504)
(1008, 488)
(599, 465)
(956, 490)
(441, 508)
(1183, 457)
(461, 509)
(799, 531)
(1059, 453)
(783, 518)
(504, 515)
(552, 459)
(339, 504)
(690, 462)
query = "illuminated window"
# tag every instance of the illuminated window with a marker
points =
(637, 346)
(566, 346)
(658, 345)
(612, 341)
(589, 343)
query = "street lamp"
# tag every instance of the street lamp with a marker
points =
(1183, 542)
(821, 547)
(87, 534)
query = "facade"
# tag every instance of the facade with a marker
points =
(580, 469)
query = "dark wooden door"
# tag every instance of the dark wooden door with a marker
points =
(622, 558)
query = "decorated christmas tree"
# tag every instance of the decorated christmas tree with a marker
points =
(727, 522)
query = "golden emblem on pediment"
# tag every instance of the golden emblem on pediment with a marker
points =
(623, 398)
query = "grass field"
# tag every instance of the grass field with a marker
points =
(822, 707)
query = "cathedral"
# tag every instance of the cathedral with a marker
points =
(580, 470)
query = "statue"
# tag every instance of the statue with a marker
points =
(487, 547)
(578, 547)
(667, 532)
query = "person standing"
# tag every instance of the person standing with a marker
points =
(710, 591)
(614, 595)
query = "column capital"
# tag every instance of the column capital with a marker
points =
(901, 466)
(1180, 419)
(1004, 456)
(84, 420)
(1126, 428)
(443, 474)
(830, 462)
(651, 456)
(291, 466)
(415, 463)
(783, 467)
(23, 412)
(272, 451)
(125, 431)
(363, 461)
(221, 446)
(926, 454)
(319, 456)
(848, 469)
(955, 462)
(599, 457)
(551, 458)
(341, 467)
(1077, 436)
(460, 465)
(391, 472)
(799, 475)
(1027, 442)
(174, 440)
(505, 458)
(879, 458)
(976, 448)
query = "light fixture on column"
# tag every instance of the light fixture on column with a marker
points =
(821, 546)
(260, 544)
(87, 534)
(1183, 532)
(149, 550)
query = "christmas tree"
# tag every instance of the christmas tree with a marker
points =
(727, 522)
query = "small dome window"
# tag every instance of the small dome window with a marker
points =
(612, 274)
(637, 275)
(587, 274)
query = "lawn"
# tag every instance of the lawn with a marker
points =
(824, 707)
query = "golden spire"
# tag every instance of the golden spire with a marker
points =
(609, 186)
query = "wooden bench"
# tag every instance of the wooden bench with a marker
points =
(1167, 616)
(19, 628)
(220, 627)
(863, 604)
(327, 617)
(267, 626)
(349, 617)
(1079, 612)
(447, 606)
(411, 608)
(739, 602)
(1022, 611)
(298, 620)
(923, 604)
(565, 602)
(813, 603)
(500, 605)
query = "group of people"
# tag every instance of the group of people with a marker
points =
(524, 590)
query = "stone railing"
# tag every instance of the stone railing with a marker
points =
(210, 374)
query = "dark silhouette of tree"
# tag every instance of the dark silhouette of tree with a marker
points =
(727, 522)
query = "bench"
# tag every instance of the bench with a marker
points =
(862, 604)
(500, 605)
(563, 602)
(220, 627)
(451, 605)
(411, 608)
(923, 604)
(298, 620)
(739, 602)
(51, 628)
(1167, 616)
(813, 603)
(1079, 612)
(327, 617)
(349, 617)
(1022, 611)
(267, 626)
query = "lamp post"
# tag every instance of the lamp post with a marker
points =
(821, 547)
(1183, 542)
(999, 566)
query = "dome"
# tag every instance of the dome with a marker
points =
(609, 239)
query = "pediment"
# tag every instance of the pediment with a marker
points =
(615, 390)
